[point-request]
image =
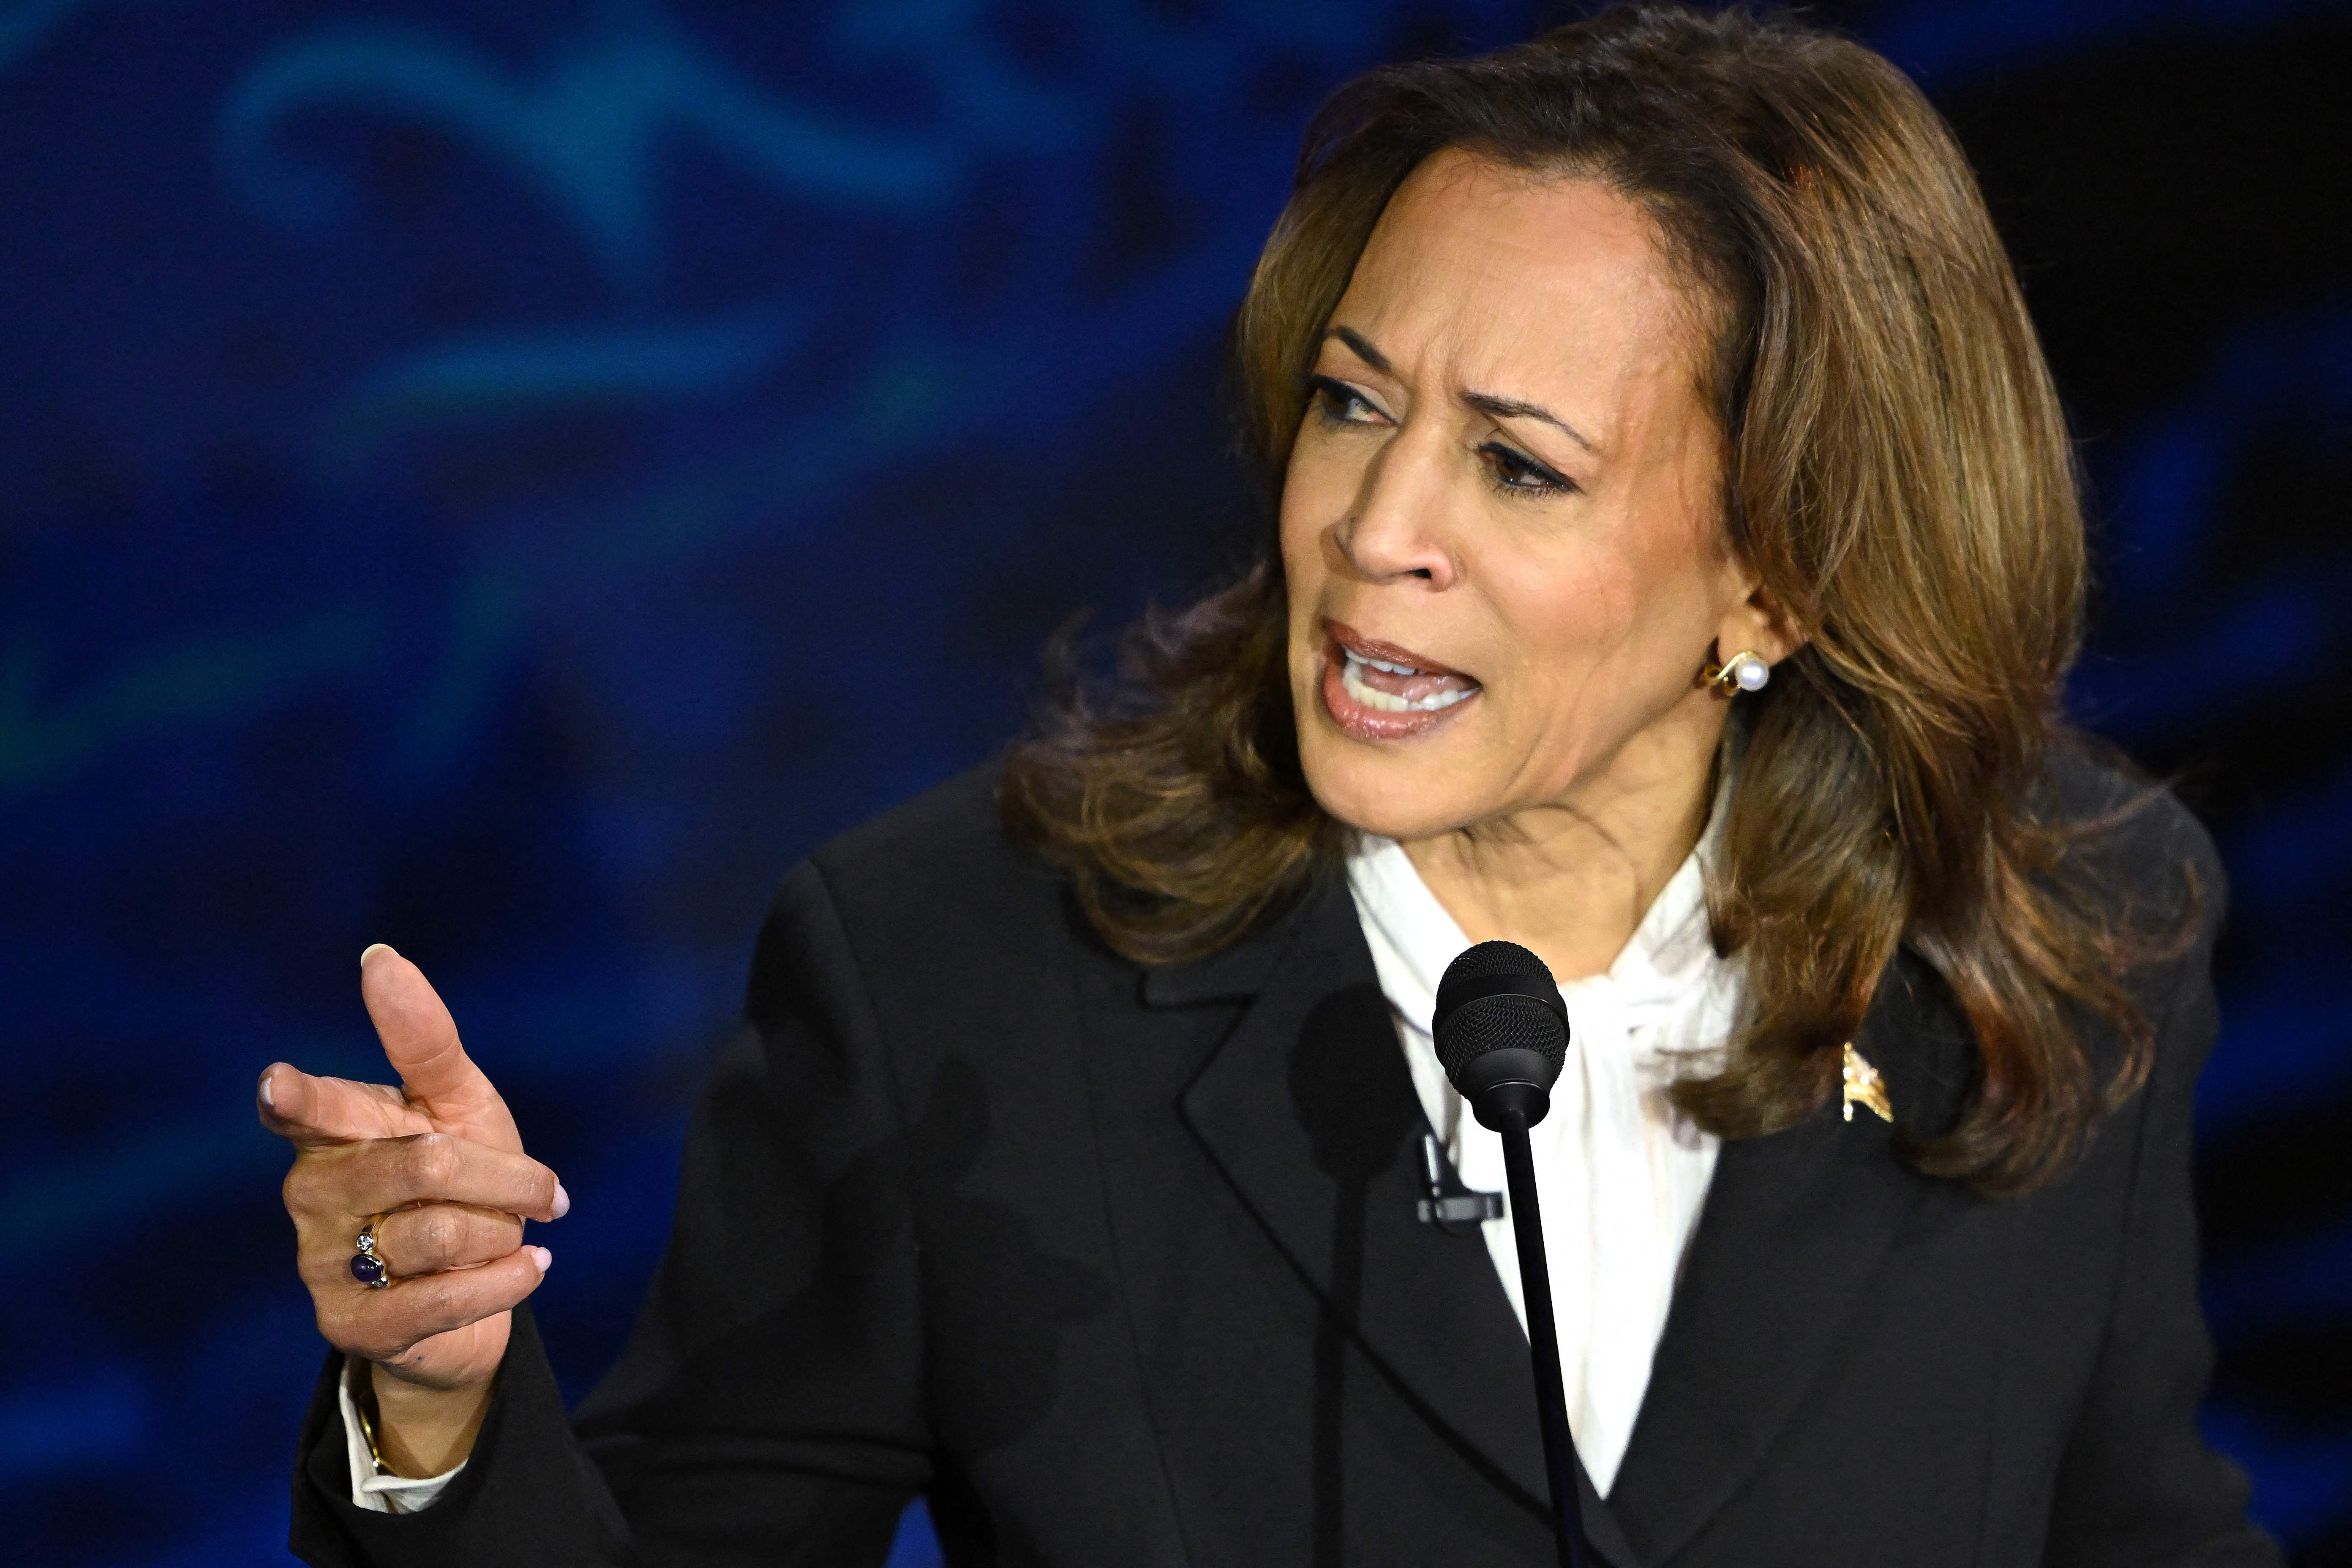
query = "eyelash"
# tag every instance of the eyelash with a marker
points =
(1508, 470)
(1546, 481)
(1332, 398)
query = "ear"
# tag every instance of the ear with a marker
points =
(1758, 624)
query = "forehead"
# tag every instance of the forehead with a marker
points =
(1499, 272)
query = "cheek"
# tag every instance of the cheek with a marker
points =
(1603, 640)
(1314, 496)
(1569, 614)
(1302, 573)
(1297, 535)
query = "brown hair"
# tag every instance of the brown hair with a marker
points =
(1897, 472)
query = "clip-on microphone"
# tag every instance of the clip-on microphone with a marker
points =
(1502, 1035)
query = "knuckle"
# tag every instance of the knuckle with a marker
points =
(434, 1161)
(439, 1236)
(300, 1189)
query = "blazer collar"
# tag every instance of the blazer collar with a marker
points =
(1239, 970)
(1795, 1227)
(1309, 1110)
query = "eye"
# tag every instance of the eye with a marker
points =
(1515, 472)
(1336, 403)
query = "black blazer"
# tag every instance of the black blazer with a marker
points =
(1122, 1266)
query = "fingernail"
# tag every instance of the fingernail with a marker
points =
(373, 947)
(563, 1205)
(268, 1097)
(540, 1256)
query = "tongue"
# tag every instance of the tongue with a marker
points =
(1412, 688)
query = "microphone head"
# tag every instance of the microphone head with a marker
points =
(1499, 1020)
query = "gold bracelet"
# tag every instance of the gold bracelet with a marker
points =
(365, 1407)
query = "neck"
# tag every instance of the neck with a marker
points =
(1571, 878)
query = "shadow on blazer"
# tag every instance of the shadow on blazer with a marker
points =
(1122, 1266)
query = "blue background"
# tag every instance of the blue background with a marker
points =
(508, 479)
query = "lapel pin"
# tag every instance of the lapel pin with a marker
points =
(1864, 1084)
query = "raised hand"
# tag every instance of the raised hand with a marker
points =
(439, 1167)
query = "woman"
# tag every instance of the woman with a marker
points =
(1676, 565)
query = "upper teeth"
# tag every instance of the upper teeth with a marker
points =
(1352, 680)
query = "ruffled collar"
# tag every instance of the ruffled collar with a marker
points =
(1670, 953)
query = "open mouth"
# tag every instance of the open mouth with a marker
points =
(1393, 687)
(1389, 688)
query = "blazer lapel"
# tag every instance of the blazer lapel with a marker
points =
(1795, 1227)
(1309, 1110)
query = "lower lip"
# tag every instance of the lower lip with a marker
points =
(1358, 722)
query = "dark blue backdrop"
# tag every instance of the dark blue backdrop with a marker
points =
(506, 479)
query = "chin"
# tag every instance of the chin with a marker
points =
(1376, 791)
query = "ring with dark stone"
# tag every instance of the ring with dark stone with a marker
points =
(366, 1266)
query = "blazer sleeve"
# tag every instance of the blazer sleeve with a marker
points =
(2137, 1483)
(769, 1404)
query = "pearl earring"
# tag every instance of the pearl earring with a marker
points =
(1745, 671)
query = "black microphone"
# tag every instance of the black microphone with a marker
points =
(1502, 1035)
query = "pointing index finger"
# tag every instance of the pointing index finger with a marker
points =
(318, 1113)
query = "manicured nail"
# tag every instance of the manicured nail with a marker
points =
(268, 1097)
(540, 1256)
(563, 1205)
(373, 947)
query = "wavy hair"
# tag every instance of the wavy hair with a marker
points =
(1896, 470)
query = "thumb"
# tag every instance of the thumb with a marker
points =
(420, 1041)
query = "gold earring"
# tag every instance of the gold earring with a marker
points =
(1745, 671)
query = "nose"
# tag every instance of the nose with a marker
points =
(1396, 531)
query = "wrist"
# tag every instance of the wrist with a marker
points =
(417, 1431)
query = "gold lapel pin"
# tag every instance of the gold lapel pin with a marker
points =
(1864, 1084)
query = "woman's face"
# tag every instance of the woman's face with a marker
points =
(1501, 524)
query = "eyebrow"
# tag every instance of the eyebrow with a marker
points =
(1496, 407)
(1487, 403)
(1362, 348)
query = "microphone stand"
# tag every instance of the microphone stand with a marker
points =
(1515, 1108)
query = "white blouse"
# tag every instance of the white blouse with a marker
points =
(1619, 1174)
